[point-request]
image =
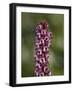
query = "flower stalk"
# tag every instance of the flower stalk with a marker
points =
(42, 44)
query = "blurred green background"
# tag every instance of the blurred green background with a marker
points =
(56, 55)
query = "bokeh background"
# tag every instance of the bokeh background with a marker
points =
(56, 54)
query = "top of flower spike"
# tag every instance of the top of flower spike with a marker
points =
(43, 25)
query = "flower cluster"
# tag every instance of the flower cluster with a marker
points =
(42, 44)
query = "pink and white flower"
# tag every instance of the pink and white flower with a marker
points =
(42, 44)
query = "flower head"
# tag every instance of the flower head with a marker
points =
(42, 43)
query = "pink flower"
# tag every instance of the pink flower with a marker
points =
(42, 44)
